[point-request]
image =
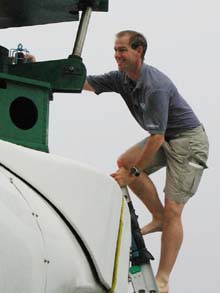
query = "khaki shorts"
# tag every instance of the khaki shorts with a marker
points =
(184, 157)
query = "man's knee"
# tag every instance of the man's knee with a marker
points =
(172, 210)
(120, 162)
(171, 215)
(123, 162)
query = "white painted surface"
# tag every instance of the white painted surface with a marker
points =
(39, 253)
(123, 264)
(90, 201)
(22, 268)
(66, 268)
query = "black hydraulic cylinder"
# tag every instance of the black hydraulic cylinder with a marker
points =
(139, 253)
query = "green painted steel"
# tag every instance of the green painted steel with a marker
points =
(15, 13)
(135, 269)
(26, 88)
(65, 75)
(24, 111)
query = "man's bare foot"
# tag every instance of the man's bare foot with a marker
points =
(162, 283)
(162, 287)
(154, 226)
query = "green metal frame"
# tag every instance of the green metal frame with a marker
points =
(32, 84)
(34, 12)
(12, 88)
(65, 75)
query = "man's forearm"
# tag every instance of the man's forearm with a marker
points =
(152, 145)
(88, 87)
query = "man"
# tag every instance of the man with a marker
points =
(177, 141)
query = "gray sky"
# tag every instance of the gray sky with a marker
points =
(184, 43)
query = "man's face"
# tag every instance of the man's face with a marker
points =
(126, 57)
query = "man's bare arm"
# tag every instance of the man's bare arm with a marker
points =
(88, 87)
(152, 145)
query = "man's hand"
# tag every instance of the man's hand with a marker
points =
(123, 177)
(88, 87)
(30, 58)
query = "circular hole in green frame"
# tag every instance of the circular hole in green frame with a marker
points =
(23, 113)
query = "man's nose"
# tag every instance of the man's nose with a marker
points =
(117, 54)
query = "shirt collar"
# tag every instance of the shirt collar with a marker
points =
(140, 80)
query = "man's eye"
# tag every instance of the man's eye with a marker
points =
(120, 50)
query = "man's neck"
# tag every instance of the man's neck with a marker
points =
(135, 72)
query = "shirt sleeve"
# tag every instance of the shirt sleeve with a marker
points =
(155, 112)
(105, 82)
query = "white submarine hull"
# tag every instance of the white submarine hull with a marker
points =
(61, 224)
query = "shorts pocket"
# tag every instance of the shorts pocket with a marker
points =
(199, 148)
(191, 177)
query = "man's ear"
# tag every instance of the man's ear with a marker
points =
(140, 49)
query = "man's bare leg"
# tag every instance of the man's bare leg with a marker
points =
(144, 188)
(166, 218)
(171, 241)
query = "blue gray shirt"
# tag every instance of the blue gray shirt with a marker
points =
(153, 100)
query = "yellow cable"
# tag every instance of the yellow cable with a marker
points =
(118, 248)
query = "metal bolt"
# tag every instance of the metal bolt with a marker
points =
(35, 215)
(46, 261)
(71, 68)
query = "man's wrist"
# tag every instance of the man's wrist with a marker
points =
(134, 171)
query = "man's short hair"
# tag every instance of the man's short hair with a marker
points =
(136, 39)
